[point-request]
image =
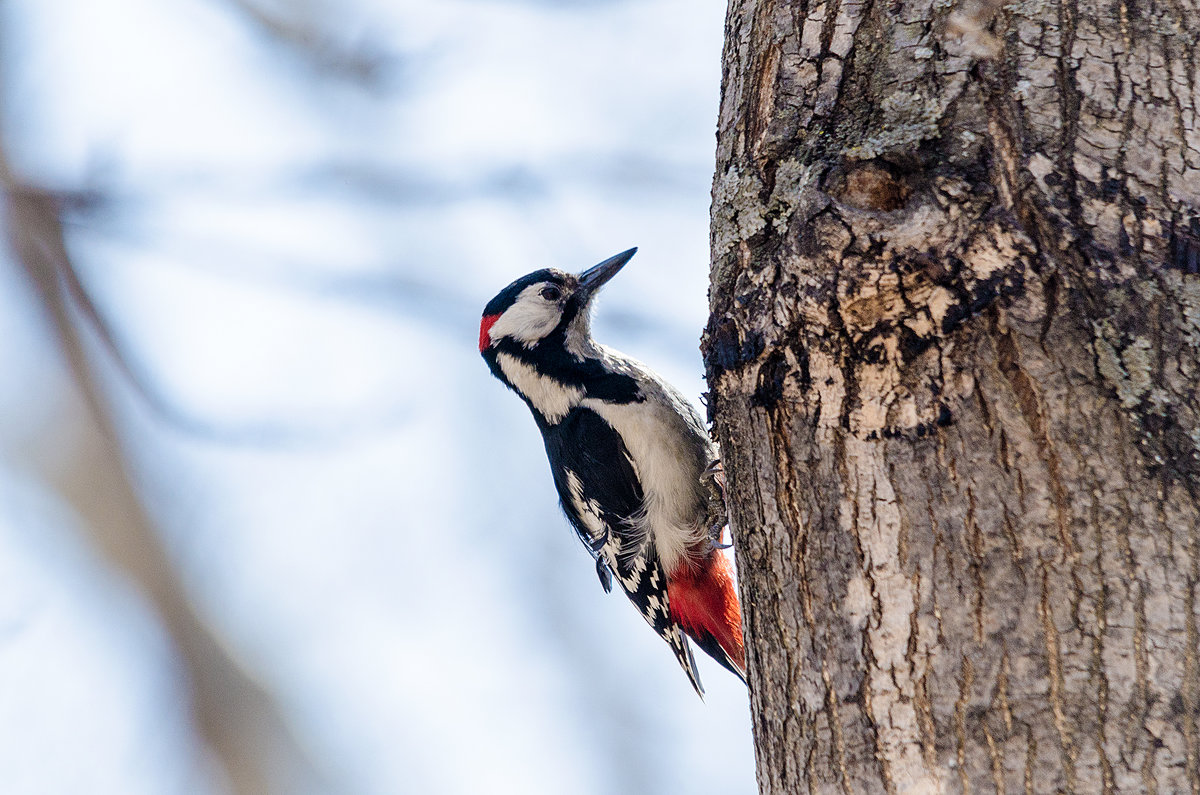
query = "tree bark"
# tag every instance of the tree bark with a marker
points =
(953, 357)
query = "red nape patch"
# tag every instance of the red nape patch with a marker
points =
(485, 326)
(704, 602)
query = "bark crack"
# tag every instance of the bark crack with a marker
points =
(1027, 398)
(1057, 686)
(835, 725)
(965, 682)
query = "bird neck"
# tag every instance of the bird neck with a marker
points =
(553, 380)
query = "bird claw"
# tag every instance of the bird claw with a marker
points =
(604, 574)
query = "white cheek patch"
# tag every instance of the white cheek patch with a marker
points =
(529, 319)
(552, 398)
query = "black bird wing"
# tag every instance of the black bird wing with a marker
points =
(602, 496)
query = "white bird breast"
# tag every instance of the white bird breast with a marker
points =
(666, 459)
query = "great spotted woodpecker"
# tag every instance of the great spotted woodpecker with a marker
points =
(634, 468)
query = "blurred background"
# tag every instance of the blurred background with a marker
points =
(267, 523)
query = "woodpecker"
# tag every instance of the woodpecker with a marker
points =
(635, 471)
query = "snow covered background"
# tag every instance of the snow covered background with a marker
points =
(298, 210)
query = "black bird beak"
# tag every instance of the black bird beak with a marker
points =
(595, 277)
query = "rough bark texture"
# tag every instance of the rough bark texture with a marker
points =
(953, 359)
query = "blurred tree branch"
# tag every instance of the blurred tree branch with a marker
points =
(258, 432)
(237, 718)
(363, 63)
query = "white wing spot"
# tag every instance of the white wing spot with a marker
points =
(588, 510)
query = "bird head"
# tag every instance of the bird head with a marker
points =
(546, 308)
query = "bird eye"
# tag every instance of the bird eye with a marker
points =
(551, 293)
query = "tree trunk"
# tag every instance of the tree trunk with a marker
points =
(953, 360)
